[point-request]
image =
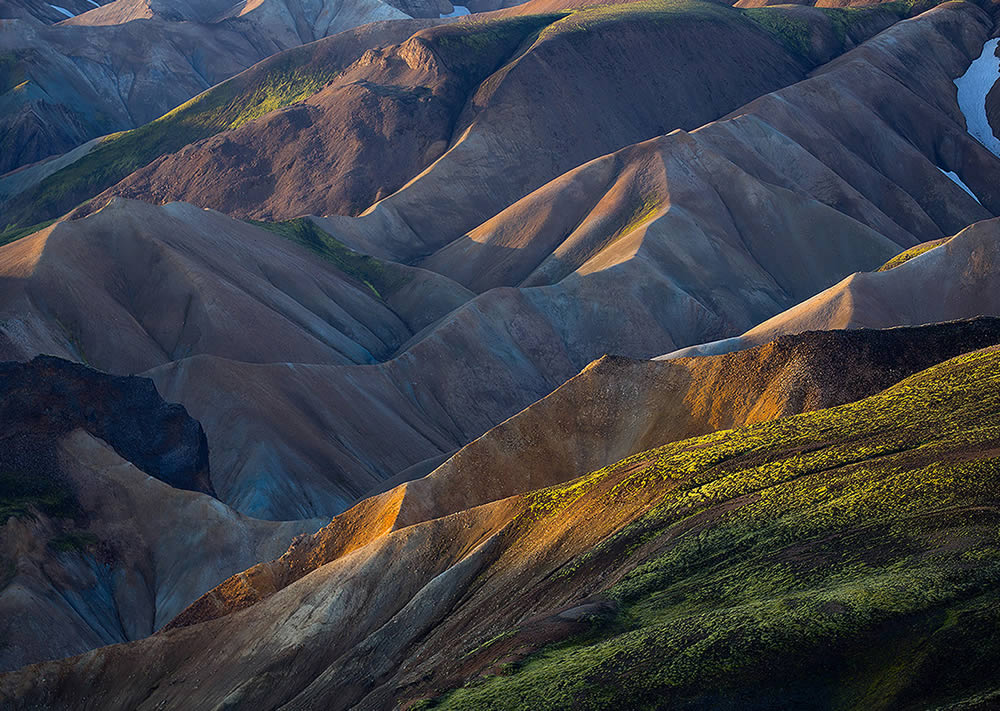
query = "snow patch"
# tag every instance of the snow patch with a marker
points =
(93, 3)
(958, 181)
(63, 10)
(973, 86)
(458, 11)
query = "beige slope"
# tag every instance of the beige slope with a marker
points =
(176, 281)
(957, 279)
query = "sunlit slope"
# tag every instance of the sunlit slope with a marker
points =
(936, 281)
(842, 559)
(845, 558)
(614, 408)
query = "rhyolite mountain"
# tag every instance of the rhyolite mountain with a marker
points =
(379, 274)
(684, 576)
(122, 65)
(676, 240)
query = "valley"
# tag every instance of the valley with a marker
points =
(378, 355)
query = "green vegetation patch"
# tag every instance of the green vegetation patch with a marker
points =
(594, 18)
(21, 492)
(911, 253)
(14, 234)
(849, 554)
(793, 28)
(290, 78)
(73, 541)
(464, 43)
(372, 272)
(794, 33)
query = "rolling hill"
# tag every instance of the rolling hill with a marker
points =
(859, 533)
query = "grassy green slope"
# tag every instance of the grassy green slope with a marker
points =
(911, 253)
(847, 558)
(290, 77)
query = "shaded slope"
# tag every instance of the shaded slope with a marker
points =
(96, 543)
(49, 397)
(849, 533)
(955, 279)
(614, 408)
(63, 85)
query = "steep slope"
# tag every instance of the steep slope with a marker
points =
(175, 281)
(697, 571)
(956, 278)
(614, 408)
(63, 85)
(684, 238)
(38, 193)
(99, 540)
(503, 88)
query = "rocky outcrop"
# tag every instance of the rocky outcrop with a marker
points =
(108, 521)
(48, 398)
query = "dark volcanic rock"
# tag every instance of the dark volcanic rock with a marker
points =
(49, 397)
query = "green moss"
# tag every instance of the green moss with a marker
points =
(645, 11)
(373, 273)
(911, 253)
(14, 234)
(794, 34)
(73, 541)
(461, 43)
(507, 634)
(852, 553)
(288, 79)
(20, 493)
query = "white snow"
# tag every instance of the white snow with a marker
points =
(958, 181)
(973, 86)
(458, 11)
(63, 10)
(94, 3)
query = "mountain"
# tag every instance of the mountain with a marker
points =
(108, 522)
(688, 575)
(122, 65)
(936, 281)
(330, 370)
(475, 63)
(677, 240)
(615, 408)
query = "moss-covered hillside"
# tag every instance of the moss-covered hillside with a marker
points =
(843, 559)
